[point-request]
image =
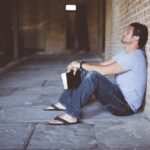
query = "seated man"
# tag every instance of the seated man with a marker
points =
(125, 96)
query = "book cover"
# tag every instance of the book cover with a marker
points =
(70, 80)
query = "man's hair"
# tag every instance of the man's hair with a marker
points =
(141, 31)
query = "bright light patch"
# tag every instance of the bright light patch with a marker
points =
(71, 7)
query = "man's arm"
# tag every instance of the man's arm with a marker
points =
(107, 62)
(108, 68)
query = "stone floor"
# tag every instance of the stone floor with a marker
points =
(28, 87)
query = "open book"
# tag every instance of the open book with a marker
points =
(70, 80)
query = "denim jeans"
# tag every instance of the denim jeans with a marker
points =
(93, 83)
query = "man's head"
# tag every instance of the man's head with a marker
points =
(136, 33)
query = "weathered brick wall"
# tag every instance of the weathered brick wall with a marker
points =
(119, 14)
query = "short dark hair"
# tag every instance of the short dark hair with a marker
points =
(142, 31)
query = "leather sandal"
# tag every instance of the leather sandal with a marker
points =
(63, 121)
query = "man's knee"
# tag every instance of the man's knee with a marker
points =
(93, 77)
(93, 74)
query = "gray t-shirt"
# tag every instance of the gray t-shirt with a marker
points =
(132, 81)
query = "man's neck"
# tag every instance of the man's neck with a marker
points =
(131, 48)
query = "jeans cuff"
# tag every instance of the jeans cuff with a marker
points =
(72, 114)
(62, 104)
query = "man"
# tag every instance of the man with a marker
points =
(125, 96)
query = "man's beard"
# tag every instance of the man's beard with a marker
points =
(125, 42)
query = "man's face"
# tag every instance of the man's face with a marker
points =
(128, 37)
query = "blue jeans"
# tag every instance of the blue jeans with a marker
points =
(93, 83)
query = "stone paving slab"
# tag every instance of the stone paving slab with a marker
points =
(52, 90)
(26, 114)
(33, 73)
(49, 99)
(79, 137)
(15, 136)
(20, 100)
(7, 91)
(123, 135)
(21, 83)
(31, 81)
(36, 66)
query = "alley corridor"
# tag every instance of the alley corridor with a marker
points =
(35, 83)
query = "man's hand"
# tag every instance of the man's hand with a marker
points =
(75, 65)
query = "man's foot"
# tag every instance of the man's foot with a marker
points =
(58, 106)
(63, 120)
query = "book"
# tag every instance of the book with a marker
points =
(70, 80)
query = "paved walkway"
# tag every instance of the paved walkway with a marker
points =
(25, 90)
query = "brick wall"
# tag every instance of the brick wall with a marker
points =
(119, 14)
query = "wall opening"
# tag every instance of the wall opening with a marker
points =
(71, 7)
(76, 28)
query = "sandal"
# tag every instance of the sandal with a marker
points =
(54, 108)
(63, 121)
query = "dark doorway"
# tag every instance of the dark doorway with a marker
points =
(77, 30)
(71, 30)
(82, 29)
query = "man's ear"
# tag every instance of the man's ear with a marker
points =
(136, 38)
